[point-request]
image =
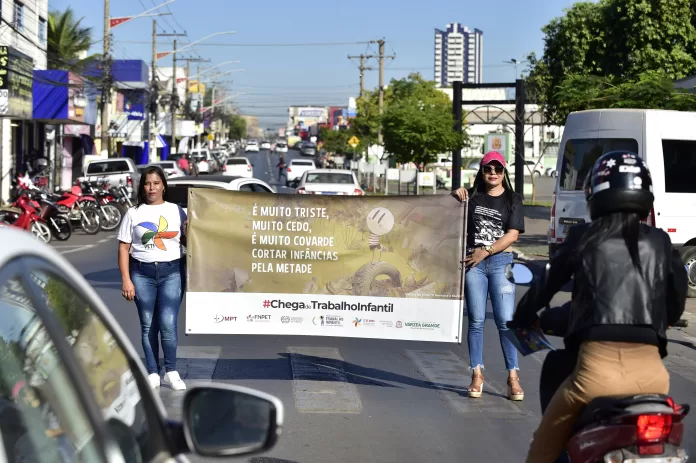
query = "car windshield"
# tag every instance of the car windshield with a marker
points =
(301, 163)
(330, 177)
(236, 162)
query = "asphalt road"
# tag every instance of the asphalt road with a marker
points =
(265, 167)
(378, 401)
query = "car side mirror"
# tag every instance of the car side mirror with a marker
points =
(225, 420)
(519, 274)
(252, 164)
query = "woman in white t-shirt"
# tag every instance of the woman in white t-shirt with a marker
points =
(150, 260)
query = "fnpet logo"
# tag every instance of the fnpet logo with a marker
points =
(258, 318)
(224, 318)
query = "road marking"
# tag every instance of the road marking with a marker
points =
(81, 248)
(681, 366)
(104, 240)
(450, 376)
(320, 383)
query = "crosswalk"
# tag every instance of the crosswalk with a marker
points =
(322, 384)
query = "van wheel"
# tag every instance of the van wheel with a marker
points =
(688, 255)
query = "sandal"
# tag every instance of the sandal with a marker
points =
(515, 392)
(476, 388)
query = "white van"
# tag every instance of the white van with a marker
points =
(666, 140)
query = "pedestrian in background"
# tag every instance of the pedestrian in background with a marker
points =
(183, 164)
(495, 220)
(150, 260)
(281, 167)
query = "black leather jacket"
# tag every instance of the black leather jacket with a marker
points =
(608, 289)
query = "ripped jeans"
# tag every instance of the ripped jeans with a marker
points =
(488, 278)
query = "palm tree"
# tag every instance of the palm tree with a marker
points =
(67, 42)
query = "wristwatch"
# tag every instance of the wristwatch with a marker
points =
(488, 249)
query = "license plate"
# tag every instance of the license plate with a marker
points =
(329, 193)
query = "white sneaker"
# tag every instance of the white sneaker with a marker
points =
(173, 380)
(154, 380)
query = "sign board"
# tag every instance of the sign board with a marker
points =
(393, 174)
(305, 265)
(425, 180)
(16, 84)
(134, 105)
(500, 142)
(354, 141)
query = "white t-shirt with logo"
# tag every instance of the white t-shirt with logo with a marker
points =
(153, 231)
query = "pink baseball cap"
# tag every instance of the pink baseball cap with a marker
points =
(493, 156)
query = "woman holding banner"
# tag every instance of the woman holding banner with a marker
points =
(495, 219)
(149, 258)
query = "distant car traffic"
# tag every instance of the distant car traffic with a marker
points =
(329, 182)
(266, 145)
(296, 168)
(251, 145)
(179, 187)
(170, 168)
(308, 149)
(238, 167)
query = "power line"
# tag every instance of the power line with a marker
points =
(317, 44)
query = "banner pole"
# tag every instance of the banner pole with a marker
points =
(463, 277)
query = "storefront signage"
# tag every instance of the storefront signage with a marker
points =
(16, 78)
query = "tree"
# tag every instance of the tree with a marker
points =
(621, 41)
(418, 122)
(238, 127)
(648, 91)
(67, 39)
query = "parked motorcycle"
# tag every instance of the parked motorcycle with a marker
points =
(79, 208)
(636, 428)
(110, 214)
(48, 210)
(25, 216)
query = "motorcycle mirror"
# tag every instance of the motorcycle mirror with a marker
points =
(519, 274)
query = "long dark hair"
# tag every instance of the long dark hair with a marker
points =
(142, 196)
(480, 185)
(626, 223)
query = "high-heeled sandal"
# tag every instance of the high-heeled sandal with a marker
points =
(473, 391)
(515, 391)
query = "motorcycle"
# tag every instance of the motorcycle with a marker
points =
(48, 210)
(23, 215)
(616, 429)
(110, 214)
(80, 209)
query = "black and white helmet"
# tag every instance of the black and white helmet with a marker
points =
(619, 181)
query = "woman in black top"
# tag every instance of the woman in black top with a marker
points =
(495, 219)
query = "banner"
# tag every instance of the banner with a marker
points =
(357, 266)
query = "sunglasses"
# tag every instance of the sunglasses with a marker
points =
(489, 169)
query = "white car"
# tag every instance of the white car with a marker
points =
(251, 145)
(281, 147)
(296, 168)
(266, 145)
(205, 161)
(178, 187)
(238, 167)
(530, 166)
(329, 182)
(170, 168)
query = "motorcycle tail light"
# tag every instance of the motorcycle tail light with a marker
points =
(652, 429)
(652, 449)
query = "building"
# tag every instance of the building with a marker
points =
(458, 55)
(23, 32)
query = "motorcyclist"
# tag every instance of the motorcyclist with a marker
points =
(629, 285)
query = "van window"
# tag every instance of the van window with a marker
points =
(580, 155)
(680, 164)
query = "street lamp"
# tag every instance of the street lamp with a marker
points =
(515, 62)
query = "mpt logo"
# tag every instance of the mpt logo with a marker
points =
(224, 318)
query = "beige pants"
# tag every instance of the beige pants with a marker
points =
(603, 369)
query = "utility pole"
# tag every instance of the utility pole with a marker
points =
(154, 79)
(152, 134)
(175, 98)
(362, 70)
(381, 84)
(106, 88)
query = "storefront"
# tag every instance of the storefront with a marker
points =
(21, 138)
(65, 101)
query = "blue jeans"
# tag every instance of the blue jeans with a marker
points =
(488, 278)
(158, 295)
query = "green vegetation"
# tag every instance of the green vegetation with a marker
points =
(615, 54)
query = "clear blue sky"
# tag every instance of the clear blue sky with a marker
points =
(276, 77)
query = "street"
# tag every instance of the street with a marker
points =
(265, 167)
(361, 399)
